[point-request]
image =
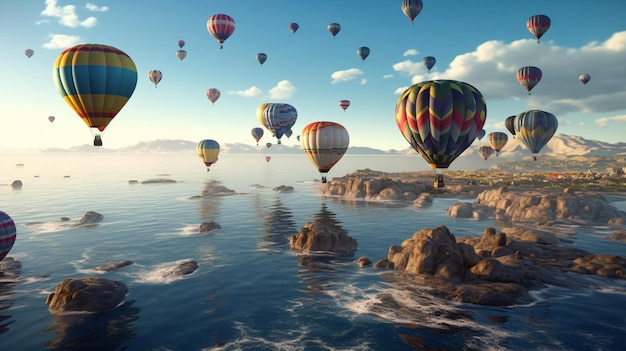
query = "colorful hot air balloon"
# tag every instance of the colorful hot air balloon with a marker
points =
(261, 58)
(181, 54)
(257, 134)
(497, 140)
(429, 62)
(363, 52)
(96, 81)
(279, 118)
(181, 43)
(509, 123)
(324, 143)
(268, 158)
(485, 151)
(155, 77)
(344, 104)
(51, 118)
(268, 145)
(538, 25)
(528, 77)
(411, 8)
(207, 151)
(221, 27)
(334, 29)
(584, 78)
(535, 128)
(293, 27)
(213, 94)
(481, 134)
(7, 234)
(29, 52)
(440, 119)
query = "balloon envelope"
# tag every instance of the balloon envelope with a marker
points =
(293, 27)
(181, 43)
(29, 52)
(411, 8)
(485, 151)
(528, 77)
(334, 29)
(278, 118)
(181, 54)
(267, 158)
(538, 25)
(363, 52)
(324, 143)
(429, 62)
(344, 104)
(213, 94)
(535, 128)
(155, 77)
(221, 27)
(497, 140)
(96, 81)
(268, 145)
(584, 78)
(481, 134)
(7, 234)
(208, 150)
(261, 58)
(509, 123)
(257, 134)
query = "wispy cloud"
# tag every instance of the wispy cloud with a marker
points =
(283, 90)
(387, 76)
(411, 52)
(61, 41)
(96, 8)
(345, 75)
(409, 67)
(364, 81)
(250, 92)
(604, 121)
(67, 14)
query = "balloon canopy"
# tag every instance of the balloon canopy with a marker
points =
(29, 52)
(528, 77)
(293, 27)
(344, 104)
(278, 118)
(497, 140)
(213, 94)
(363, 52)
(257, 134)
(221, 27)
(208, 150)
(324, 143)
(334, 29)
(181, 54)
(411, 8)
(538, 25)
(584, 78)
(535, 128)
(155, 77)
(429, 62)
(261, 58)
(485, 151)
(7, 234)
(51, 118)
(509, 123)
(181, 43)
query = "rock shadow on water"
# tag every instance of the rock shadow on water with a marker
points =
(9, 278)
(279, 225)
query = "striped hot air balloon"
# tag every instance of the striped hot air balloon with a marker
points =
(334, 29)
(440, 119)
(213, 94)
(155, 76)
(7, 234)
(181, 54)
(96, 81)
(324, 143)
(497, 140)
(528, 77)
(584, 78)
(485, 151)
(221, 27)
(344, 104)
(257, 134)
(208, 150)
(293, 27)
(429, 62)
(538, 25)
(411, 8)
(535, 128)
(278, 118)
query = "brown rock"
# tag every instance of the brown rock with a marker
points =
(87, 294)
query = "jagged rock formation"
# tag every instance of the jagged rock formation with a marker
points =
(87, 294)
(359, 188)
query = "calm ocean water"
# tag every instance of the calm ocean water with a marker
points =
(251, 292)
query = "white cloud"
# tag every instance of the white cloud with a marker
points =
(283, 90)
(409, 67)
(364, 81)
(67, 15)
(387, 76)
(411, 52)
(93, 7)
(61, 41)
(250, 92)
(345, 75)
(400, 90)
(603, 121)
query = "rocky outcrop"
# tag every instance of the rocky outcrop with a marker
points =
(112, 266)
(360, 188)
(497, 269)
(618, 235)
(206, 227)
(283, 189)
(323, 234)
(181, 268)
(158, 181)
(90, 218)
(88, 294)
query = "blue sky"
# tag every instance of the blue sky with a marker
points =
(483, 43)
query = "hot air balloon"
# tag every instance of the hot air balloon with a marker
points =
(155, 77)
(509, 123)
(334, 28)
(213, 94)
(497, 140)
(7, 234)
(29, 52)
(261, 57)
(485, 151)
(207, 151)
(181, 43)
(278, 118)
(344, 104)
(535, 128)
(440, 119)
(267, 159)
(429, 62)
(584, 78)
(481, 134)
(181, 54)
(293, 27)
(363, 52)
(268, 145)
(257, 134)
(538, 25)
(289, 133)
(51, 118)
(96, 81)
(528, 77)
(221, 27)
(411, 8)
(324, 143)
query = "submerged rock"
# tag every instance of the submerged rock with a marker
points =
(208, 226)
(158, 181)
(182, 267)
(87, 294)
(17, 184)
(283, 189)
(90, 218)
(111, 266)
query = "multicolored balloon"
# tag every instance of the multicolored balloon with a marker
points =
(429, 62)
(268, 145)
(181, 43)
(293, 27)
(221, 27)
(278, 118)
(363, 52)
(324, 143)
(96, 81)
(208, 150)
(29, 53)
(411, 8)
(509, 123)
(528, 77)
(535, 128)
(7, 234)
(261, 58)
(268, 158)
(51, 118)
(538, 25)
(334, 29)
(155, 77)
(344, 104)
(257, 134)
(213, 94)
(485, 151)
(497, 140)
(440, 119)
(584, 78)
(181, 54)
